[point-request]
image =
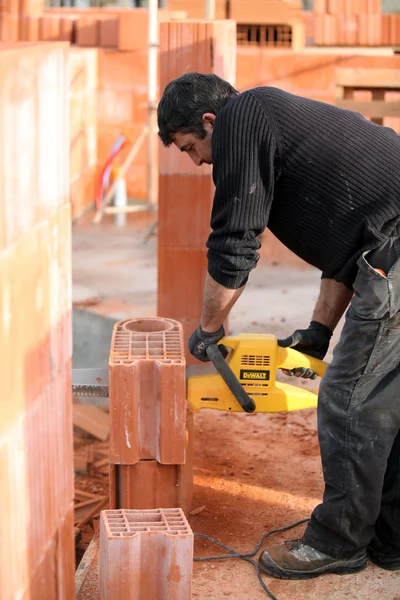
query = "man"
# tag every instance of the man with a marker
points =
(326, 182)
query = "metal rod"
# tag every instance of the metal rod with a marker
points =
(152, 145)
(210, 9)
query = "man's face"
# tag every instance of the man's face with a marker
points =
(199, 150)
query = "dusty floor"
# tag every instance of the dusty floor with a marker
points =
(252, 473)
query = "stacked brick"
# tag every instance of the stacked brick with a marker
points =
(145, 554)
(271, 23)
(83, 103)
(150, 432)
(186, 191)
(90, 27)
(36, 451)
(15, 16)
(354, 23)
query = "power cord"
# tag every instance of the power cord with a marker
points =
(247, 556)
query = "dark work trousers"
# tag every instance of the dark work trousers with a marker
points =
(359, 417)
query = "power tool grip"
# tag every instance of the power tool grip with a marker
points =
(230, 379)
(288, 358)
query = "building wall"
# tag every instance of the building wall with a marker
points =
(36, 467)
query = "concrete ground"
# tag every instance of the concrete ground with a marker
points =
(252, 473)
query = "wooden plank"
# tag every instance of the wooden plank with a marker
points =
(369, 78)
(89, 561)
(92, 420)
(379, 96)
(377, 109)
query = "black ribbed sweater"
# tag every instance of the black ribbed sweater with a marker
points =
(326, 182)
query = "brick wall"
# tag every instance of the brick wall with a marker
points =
(36, 477)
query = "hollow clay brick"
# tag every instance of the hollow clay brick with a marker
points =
(148, 484)
(183, 226)
(145, 555)
(36, 447)
(171, 233)
(66, 29)
(147, 392)
(87, 31)
(181, 274)
(49, 29)
(29, 29)
(109, 32)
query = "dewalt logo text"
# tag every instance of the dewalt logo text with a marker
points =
(247, 375)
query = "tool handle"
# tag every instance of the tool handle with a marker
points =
(230, 379)
(288, 358)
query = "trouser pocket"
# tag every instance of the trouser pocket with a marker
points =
(377, 296)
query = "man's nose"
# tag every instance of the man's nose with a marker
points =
(197, 160)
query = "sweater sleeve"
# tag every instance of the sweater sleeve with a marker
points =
(244, 152)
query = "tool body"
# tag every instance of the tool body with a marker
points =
(253, 362)
(244, 381)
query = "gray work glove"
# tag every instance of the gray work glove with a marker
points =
(313, 341)
(199, 340)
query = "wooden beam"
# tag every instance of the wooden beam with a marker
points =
(388, 79)
(376, 110)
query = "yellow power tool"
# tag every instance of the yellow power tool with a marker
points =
(246, 380)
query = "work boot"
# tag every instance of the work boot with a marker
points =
(384, 557)
(297, 560)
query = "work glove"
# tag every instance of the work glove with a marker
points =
(313, 341)
(200, 340)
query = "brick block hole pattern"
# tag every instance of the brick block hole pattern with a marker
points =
(151, 431)
(186, 191)
(145, 554)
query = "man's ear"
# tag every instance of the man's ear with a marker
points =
(208, 120)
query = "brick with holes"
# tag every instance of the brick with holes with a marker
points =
(149, 484)
(147, 392)
(145, 554)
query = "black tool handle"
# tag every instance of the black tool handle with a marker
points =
(230, 378)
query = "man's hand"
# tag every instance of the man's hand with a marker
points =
(200, 340)
(313, 341)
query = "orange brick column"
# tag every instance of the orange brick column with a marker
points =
(145, 555)
(186, 191)
(37, 556)
(150, 451)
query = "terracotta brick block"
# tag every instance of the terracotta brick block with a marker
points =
(320, 7)
(122, 70)
(66, 29)
(83, 190)
(183, 257)
(65, 557)
(49, 29)
(374, 29)
(131, 542)
(132, 29)
(9, 6)
(333, 7)
(147, 392)
(149, 484)
(181, 187)
(31, 8)
(29, 29)
(181, 272)
(87, 31)
(351, 30)
(9, 27)
(109, 32)
(35, 324)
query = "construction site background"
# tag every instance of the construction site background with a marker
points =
(73, 104)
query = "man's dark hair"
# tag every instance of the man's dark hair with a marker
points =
(186, 99)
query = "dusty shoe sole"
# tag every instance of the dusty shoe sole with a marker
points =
(389, 564)
(340, 567)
